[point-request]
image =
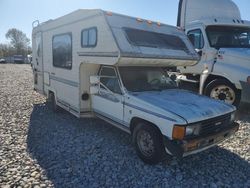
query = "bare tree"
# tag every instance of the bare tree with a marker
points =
(18, 40)
(6, 50)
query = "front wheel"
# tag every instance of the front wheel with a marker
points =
(148, 143)
(223, 90)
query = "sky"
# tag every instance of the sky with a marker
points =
(21, 13)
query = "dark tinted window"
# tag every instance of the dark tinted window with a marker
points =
(62, 51)
(154, 40)
(196, 38)
(89, 37)
(228, 37)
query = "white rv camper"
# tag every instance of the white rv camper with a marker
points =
(222, 39)
(95, 63)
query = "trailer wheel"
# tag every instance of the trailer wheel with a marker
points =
(223, 90)
(148, 143)
(52, 102)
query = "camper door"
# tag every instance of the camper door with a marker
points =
(37, 61)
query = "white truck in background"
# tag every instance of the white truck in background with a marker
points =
(222, 40)
(94, 63)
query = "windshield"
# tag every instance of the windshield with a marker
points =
(228, 37)
(138, 79)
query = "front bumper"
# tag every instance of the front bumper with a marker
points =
(245, 93)
(191, 146)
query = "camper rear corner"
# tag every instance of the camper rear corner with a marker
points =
(64, 58)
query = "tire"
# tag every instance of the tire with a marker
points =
(221, 89)
(148, 142)
(52, 103)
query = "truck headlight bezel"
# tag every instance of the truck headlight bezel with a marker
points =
(193, 130)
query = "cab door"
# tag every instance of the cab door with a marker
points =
(37, 62)
(109, 101)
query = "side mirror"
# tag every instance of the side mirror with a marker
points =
(94, 80)
(199, 52)
(94, 84)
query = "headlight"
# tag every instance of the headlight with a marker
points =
(232, 117)
(193, 130)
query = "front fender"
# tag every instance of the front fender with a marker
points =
(235, 74)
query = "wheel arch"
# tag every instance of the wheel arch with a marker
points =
(213, 76)
(135, 120)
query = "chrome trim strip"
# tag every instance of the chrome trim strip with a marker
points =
(112, 120)
(99, 54)
(62, 80)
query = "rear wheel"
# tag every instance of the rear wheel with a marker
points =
(223, 90)
(148, 142)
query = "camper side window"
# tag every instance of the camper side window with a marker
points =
(89, 37)
(62, 51)
(109, 79)
(196, 38)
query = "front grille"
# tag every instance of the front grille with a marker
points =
(215, 125)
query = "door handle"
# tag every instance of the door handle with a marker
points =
(52, 73)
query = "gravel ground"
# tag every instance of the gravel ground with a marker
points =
(41, 149)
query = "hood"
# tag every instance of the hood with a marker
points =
(188, 105)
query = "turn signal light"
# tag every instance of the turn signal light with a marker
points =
(178, 132)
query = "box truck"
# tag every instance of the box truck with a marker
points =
(222, 40)
(94, 63)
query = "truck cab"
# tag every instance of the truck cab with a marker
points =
(222, 40)
(163, 120)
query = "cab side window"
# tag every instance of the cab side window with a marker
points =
(109, 79)
(196, 38)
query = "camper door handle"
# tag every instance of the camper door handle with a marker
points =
(52, 73)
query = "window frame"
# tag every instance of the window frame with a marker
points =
(135, 43)
(117, 76)
(87, 29)
(69, 34)
(203, 40)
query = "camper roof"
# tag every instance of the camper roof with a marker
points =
(138, 41)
